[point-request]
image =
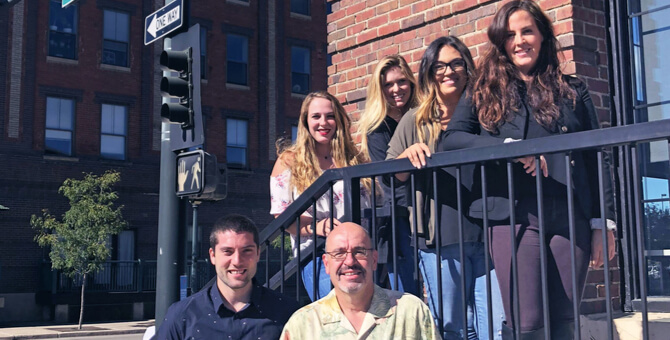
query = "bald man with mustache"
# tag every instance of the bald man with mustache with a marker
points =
(356, 308)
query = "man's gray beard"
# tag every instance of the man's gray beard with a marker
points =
(352, 289)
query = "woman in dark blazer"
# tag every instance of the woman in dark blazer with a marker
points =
(521, 93)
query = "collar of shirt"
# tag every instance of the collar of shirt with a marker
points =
(217, 299)
(380, 309)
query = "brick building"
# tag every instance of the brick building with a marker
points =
(79, 93)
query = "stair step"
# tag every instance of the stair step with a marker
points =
(627, 326)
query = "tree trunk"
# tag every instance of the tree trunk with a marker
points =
(81, 309)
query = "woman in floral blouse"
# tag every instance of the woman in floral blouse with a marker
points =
(323, 143)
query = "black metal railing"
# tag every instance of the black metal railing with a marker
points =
(624, 142)
(128, 276)
(115, 276)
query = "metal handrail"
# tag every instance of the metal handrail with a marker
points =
(594, 139)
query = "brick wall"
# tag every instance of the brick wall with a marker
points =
(362, 32)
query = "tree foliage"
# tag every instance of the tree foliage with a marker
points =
(78, 241)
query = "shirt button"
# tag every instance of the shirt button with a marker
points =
(564, 128)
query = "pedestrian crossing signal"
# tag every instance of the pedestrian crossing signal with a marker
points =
(199, 176)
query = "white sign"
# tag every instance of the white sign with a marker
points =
(163, 21)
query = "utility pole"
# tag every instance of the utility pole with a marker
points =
(167, 277)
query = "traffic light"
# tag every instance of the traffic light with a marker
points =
(180, 87)
(182, 90)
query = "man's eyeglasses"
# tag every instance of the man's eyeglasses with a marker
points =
(456, 65)
(357, 253)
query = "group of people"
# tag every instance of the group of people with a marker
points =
(516, 92)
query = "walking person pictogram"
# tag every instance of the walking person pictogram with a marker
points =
(195, 170)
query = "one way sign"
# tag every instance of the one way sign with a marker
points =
(163, 21)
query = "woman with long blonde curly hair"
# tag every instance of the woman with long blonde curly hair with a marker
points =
(392, 91)
(323, 143)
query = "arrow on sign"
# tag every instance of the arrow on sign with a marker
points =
(152, 27)
(159, 22)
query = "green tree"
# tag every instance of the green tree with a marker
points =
(78, 241)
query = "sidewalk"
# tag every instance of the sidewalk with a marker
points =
(62, 331)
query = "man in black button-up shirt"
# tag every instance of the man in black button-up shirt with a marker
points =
(232, 306)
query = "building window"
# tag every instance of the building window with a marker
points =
(649, 33)
(113, 131)
(62, 30)
(203, 53)
(59, 126)
(115, 38)
(237, 53)
(299, 70)
(294, 133)
(300, 6)
(236, 143)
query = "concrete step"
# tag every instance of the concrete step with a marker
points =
(627, 326)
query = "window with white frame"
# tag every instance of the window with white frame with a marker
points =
(62, 30)
(236, 142)
(115, 38)
(300, 68)
(113, 131)
(59, 126)
(237, 54)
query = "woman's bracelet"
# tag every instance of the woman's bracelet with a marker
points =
(596, 224)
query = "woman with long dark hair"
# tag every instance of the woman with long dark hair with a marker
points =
(521, 93)
(445, 76)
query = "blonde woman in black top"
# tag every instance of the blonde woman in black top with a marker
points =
(391, 93)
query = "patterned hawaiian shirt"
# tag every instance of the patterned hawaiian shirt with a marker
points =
(392, 315)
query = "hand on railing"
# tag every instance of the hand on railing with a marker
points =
(597, 259)
(529, 164)
(416, 153)
(324, 227)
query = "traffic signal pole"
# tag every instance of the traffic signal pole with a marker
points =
(167, 277)
(194, 248)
